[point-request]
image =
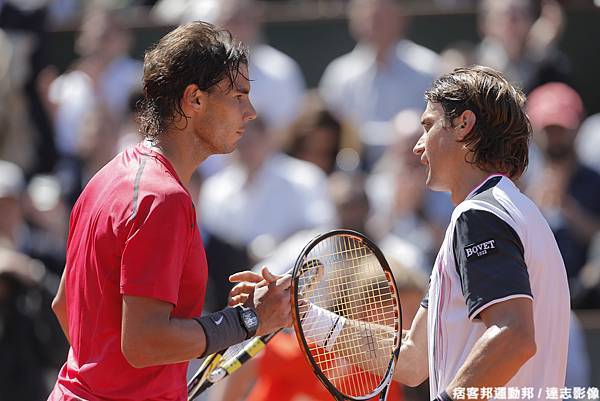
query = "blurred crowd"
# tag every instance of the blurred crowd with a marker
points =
(335, 156)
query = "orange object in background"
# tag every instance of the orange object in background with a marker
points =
(284, 374)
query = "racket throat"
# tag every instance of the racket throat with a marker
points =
(217, 375)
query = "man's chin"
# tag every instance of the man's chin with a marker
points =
(433, 185)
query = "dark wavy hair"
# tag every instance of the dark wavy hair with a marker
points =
(499, 140)
(195, 53)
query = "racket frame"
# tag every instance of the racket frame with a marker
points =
(296, 314)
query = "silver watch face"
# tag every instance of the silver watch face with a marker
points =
(250, 319)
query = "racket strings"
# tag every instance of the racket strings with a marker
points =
(355, 287)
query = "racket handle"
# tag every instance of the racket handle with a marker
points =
(249, 351)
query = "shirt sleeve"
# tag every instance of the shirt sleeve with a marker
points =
(156, 248)
(425, 299)
(489, 260)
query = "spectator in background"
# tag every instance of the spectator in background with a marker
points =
(31, 342)
(578, 357)
(588, 142)
(90, 100)
(258, 201)
(18, 135)
(402, 203)
(567, 192)
(351, 201)
(455, 55)
(384, 74)
(587, 288)
(12, 188)
(28, 137)
(129, 133)
(317, 136)
(523, 48)
(352, 211)
(47, 216)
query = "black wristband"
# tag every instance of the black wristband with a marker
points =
(222, 329)
(443, 396)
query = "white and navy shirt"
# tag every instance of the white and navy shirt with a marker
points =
(497, 247)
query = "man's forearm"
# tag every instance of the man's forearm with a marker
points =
(413, 361)
(371, 339)
(150, 336)
(177, 340)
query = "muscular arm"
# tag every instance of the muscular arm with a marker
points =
(506, 345)
(413, 365)
(150, 336)
(59, 306)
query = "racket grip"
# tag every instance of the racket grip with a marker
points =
(250, 350)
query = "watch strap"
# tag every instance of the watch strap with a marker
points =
(242, 312)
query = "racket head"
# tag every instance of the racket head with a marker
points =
(356, 282)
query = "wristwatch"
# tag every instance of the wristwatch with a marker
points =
(249, 320)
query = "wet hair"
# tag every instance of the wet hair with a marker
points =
(499, 140)
(195, 53)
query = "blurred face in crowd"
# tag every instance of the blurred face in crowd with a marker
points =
(508, 22)
(226, 111)
(10, 216)
(379, 22)
(407, 128)
(557, 143)
(241, 18)
(102, 36)
(320, 148)
(439, 149)
(351, 201)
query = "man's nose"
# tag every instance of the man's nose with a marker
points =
(419, 146)
(250, 112)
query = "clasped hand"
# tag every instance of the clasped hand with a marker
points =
(268, 294)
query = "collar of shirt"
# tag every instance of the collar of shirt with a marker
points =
(482, 183)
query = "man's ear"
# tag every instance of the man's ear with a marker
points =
(464, 123)
(193, 98)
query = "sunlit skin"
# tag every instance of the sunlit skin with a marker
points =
(509, 340)
(215, 122)
(223, 114)
(444, 156)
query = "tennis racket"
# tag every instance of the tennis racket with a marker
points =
(349, 322)
(221, 364)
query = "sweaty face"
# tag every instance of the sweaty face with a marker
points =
(228, 110)
(438, 149)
